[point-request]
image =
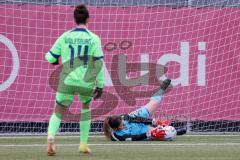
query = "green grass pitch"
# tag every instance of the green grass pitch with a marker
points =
(189, 147)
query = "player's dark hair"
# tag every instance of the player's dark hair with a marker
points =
(111, 122)
(114, 121)
(81, 14)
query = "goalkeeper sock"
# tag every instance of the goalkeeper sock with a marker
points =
(54, 124)
(85, 124)
(158, 96)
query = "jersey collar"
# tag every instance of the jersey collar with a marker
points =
(80, 30)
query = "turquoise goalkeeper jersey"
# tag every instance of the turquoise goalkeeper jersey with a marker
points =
(78, 48)
(133, 131)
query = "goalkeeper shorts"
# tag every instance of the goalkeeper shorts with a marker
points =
(65, 94)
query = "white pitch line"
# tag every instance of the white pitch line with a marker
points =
(58, 136)
(212, 135)
(126, 144)
(101, 136)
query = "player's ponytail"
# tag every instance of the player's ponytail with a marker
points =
(111, 123)
(107, 128)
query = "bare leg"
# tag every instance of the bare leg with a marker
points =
(152, 106)
(60, 109)
(85, 106)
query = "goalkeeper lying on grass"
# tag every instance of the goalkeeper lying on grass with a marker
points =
(139, 125)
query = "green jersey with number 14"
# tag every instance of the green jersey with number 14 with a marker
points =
(76, 47)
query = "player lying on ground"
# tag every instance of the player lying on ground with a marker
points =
(78, 48)
(139, 125)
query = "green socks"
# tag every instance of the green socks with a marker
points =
(85, 124)
(54, 124)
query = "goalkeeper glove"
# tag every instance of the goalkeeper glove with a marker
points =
(158, 122)
(158, 133)
(97, 93)
(163, 122)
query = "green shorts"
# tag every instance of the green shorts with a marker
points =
(65, 94)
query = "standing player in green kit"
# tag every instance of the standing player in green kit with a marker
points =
(82, 58)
